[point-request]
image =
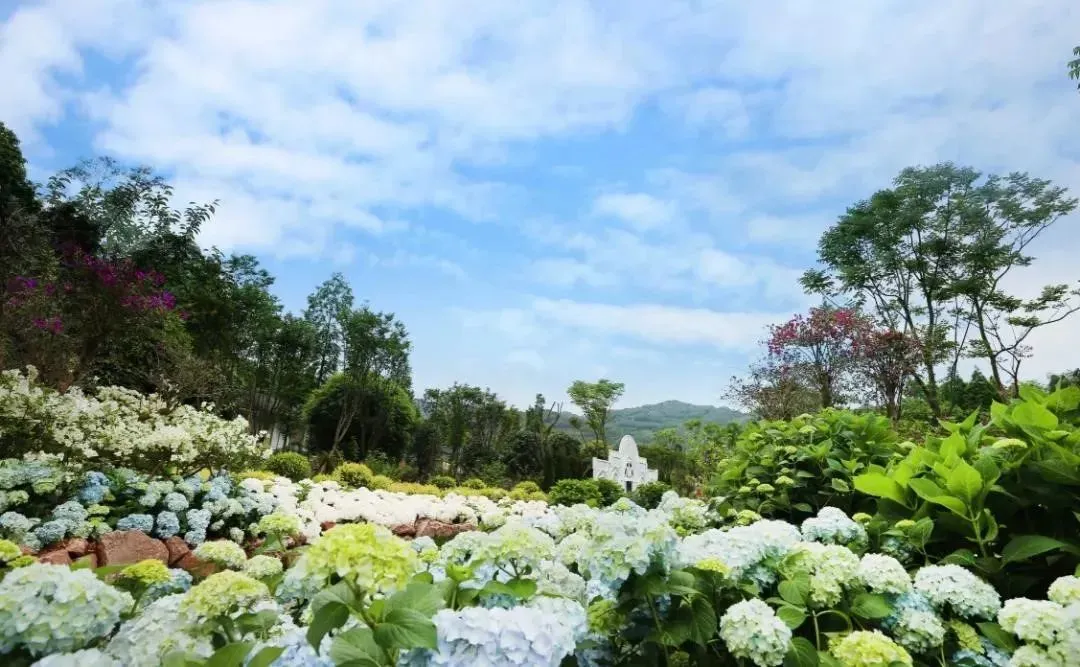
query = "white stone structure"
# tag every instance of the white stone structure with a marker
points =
(624, 467)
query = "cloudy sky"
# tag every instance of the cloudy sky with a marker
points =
(557, 189)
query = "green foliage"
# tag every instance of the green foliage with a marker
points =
(353, 475)
(443, 481)
(595, 399)
(999, 497)
(791, 469)
(383, 418)
(648, 494)
(574, 491)
(380, 483)
(526, 487)
(293, 465)
(474, 483)
(609, 491)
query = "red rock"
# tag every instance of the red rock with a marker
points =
(55, 556)
(404, 530)
(128, 547)
(177, 548)
(90, 559)
(327, 525)
(439, 529)
(77, 547)
(195, 565)
(27, 551)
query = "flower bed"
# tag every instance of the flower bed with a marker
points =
(622, 585)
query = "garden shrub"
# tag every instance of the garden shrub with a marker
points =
(791, 469)
(526, 487)
(495, 494)
(380, 483)
(443, 481)
(353, 475)
(414, 488)
(323, 477)
(264, 475)
(292, 465)
(573, 491)
(474, 483)
(610, 491)
(648, 495)
(1000, 497)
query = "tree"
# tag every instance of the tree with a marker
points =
(475, 426)
(595, 399)
(326, 306)
(940, 239)
(1074, 66)
(772, 390)
(384, 420)
(887, 358)
(375, 349)
(823, 347)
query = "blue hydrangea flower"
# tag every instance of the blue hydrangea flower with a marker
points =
(95, 488)
(176, 502)
(179, 582)
(143, 522)
(51, 532)
(167, 524)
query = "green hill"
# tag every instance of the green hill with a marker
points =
(641, 422)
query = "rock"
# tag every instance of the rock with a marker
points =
(77, 547)
(129, 547)
(404, 530)
(327, 525)
(27, 551)
(195, 565)
(439, 529)
(90, 559)
(178, 548)
(55, 556)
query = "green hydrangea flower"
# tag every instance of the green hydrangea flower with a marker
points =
(263, 567)
(146, 573)
(604, 617)
(224, 593)
(1065, 591)
(9, 551)
(766, 488)
(223, 553)
(370, 556)
(869, 649)
(279, 523)
(713, 565)
(22, 561)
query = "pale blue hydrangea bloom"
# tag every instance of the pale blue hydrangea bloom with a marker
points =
(90, 657)
(198, 520)
(52, 609)
(298, 652)
(51, 532)
(953, 587)
(16, 525)
(884, 574)
(743, 549)
(176, 502)
(686, 514)
(554, 578)
(914, 623)
(832, 526)
(991, 656)
(751, 630)
(166, 525)
(476, 637)
(190, 486)
(95, 488)
(141, 522)
(160, 629)
(180, 582)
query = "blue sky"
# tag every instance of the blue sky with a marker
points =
(552, 190)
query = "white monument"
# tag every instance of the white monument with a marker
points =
(624, 467)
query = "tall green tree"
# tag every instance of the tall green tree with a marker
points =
(327, 305)
(1074, 67)
(595, 399)
(476, 427)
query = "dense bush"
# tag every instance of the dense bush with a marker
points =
(474, 483)
(791, 469)
(353, 475)
(575, 491)
(443, 481)
(648, 495)
(380, 483)
(113, 426)
(293, 465)
(609, 491)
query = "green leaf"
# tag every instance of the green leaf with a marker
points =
(176, 658)
(1024, 547)
(794, 592)
(704, 620)
(356, 647)
(330, 616)
(793, 617)
(925, 488)
(419, 596)
(405, 629)
(339, 593)
(871, 606)
(230, 655)
(1001, 639)
(826, 660)
(919, 534)
(882, 486)
(953, 445)
(266, 657)
(1033, 415)
(840, 485)
(965, 482)
(801, 653)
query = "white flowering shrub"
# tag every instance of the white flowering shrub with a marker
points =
(120, 427)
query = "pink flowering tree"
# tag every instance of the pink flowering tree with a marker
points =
(888, 359)
(823, 348)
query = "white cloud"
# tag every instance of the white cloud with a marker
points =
(721, 109)
(641, 211)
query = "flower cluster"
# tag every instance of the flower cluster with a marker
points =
(832, 526)
(751, 630)
(369, 556)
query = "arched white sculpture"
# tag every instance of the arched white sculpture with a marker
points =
(624, 467)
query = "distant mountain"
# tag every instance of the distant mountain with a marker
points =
(641, 422)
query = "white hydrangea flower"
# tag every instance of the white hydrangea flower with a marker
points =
(953, 587)
(751, 630)
(1065, 590)
(832, 526)
(883, 574)
(222, 552)
(90, 657)
(160, 629)
(1037, 621)
(832, 569)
